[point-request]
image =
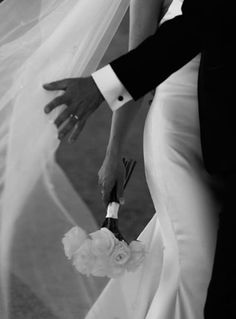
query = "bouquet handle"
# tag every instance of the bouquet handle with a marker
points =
(129, 166)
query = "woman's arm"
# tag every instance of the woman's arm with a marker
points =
(144, 17)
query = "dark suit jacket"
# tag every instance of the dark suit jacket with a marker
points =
(206, 26)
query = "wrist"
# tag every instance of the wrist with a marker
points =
(113, 151)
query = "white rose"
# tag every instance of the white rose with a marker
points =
(117, 260)
(72, 240)
(103, 242)
(121, 253)
(137, 255)
(83, 259)
(101, 267)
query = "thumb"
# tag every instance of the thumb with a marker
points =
(57, 85)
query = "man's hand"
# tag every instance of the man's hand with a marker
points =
(82, 98)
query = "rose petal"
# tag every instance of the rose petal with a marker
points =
(72, 240)
(137, 245)
(101, 267)
(121, 253)
(137, 255)
(103, 242)
(83, 259)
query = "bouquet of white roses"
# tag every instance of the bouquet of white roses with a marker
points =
(104, 252)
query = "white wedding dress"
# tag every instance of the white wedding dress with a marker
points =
(180, 239)
(44, 40)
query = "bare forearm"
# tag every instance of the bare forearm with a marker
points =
(121, 123)
(143, 22)
(144, 18)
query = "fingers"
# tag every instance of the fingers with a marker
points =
(57, 85)
(76, 131)
(107, 189)
(59, 100)
(81, 121)
(120, 191)
(68, 127)
(62, 118)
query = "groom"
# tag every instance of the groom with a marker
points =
(207, 27)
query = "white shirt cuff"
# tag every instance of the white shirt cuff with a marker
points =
(111, 87)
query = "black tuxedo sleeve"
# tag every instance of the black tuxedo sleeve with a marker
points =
(174, 44)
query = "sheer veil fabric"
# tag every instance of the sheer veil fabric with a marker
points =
(42, 41)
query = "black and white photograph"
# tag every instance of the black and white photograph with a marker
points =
(117, 159)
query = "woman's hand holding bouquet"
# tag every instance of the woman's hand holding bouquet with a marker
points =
(105, 252)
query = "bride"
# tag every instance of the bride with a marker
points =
(52, 39)
(180, 239)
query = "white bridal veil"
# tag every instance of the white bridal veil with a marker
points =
(42, 41)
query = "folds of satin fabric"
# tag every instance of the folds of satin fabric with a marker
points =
(42, 41)
(180, 239)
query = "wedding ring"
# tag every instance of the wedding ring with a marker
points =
(74, 116)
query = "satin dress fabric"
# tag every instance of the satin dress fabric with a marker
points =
(180, 239)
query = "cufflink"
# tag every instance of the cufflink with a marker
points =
(120, 98)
